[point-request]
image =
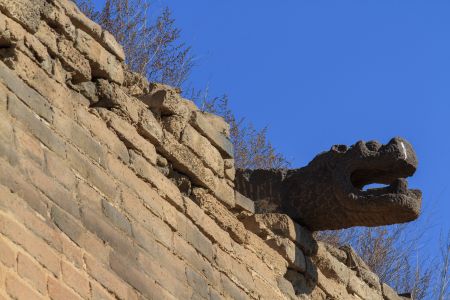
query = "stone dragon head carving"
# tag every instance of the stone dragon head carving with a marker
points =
(329, 192)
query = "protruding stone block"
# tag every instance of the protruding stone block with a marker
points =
(201, 121)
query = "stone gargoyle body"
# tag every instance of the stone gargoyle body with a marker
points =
(329, 192)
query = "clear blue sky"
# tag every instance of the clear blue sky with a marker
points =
(325, 72)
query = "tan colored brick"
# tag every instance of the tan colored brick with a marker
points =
(8, 253)
(116, 239)
(112, 45)
(135, 207)
(11, 178)
(97, 126)
(103, 63)
(79, 19)
(58, 291)
(31, 243)
(75, 279)
(29, 146)
(99, 293)
(207, 225)
(28, 269)
(153, 175)
(19, 290)
(194, 236)
(58, 168)
(25, 12)
(106, 277)
(194, 259)
(116, 217)
(138, 280)
(74, 61)
(72, 252)
(58, 95)
(173, 283)
(35, 126)
(203, 148)
(131, 137)
(92, 173)
(153, 234)
(80, 137)
(52, 189)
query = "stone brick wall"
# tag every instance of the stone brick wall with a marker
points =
(114, 188)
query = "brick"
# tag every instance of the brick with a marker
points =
(26, 12)
(11, 178)
(59, 170)
(202, 123)
(360, 288)
(32, 272)
(131, 137)
(163, 235)
(99, 293)
(330, 266)
(332, 288)
(89, 197)
(231, 290)
(152, 204)
(146, 286)
(9, 254)
(92, 173)
(79, 19)
(53, 190)
(106, 277)
(193, 235)
(35, 126)
(197, 282)
(29, 96)
(112, 45)
(75, 279)
(244, 203)
(58, 95)
(58, 291)
(67, 224)
(32, 244)
(203, 148)
(185, 161)
(194, 259)
(90, 121)
(284, 226)
(72, 252)
(224, 217)
(173, 283)
(129, 178)
(165, 100)
(81, 138)
(116, 217)
(26, 216)
(18, 289)
(48, 37)
(29, 146)
(253, 262)
(150, 128)
(107, 233)
(7, 145)
(74, 61)
(103, 64)
(153, 175)
(207, 225)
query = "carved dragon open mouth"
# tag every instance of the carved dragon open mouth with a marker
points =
(329, 192)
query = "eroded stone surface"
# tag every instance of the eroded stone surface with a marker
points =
(328, 193)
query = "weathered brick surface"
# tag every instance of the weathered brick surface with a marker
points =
(91, 160)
